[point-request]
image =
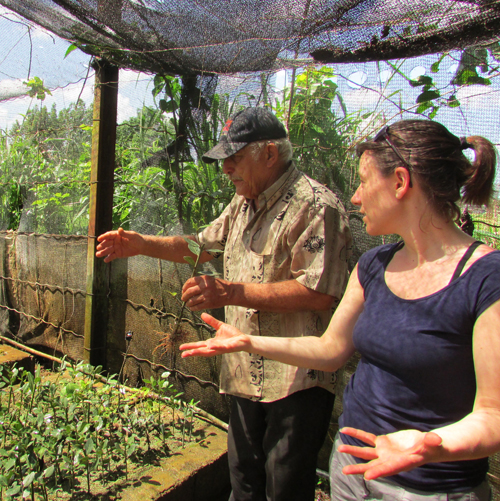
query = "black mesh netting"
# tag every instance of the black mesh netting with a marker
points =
(214, 36)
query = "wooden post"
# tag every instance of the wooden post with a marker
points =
(101, 209)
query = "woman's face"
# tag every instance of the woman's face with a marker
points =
(376, 197)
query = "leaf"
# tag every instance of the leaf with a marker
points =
(49, 471)
(71, 48)
(167, 106)
(421, 80)
(423, 107)
(193, 246)
(452, 101)
(435, 66)
(469, 76)
(428, 96)
(159, 84)
(89, 446)
(210, 273)
(13, 490)
(190, 260)
(317, 129)
(28, 480)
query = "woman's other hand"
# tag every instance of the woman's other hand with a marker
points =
(392, 453)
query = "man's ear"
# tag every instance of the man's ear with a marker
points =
(272, 155)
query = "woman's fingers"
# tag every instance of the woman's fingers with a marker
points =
(366, 453)
(366, 437)
(213, 322)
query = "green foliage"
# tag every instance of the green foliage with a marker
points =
(45, 169)
(322, 137)
(157, 178)
(472, 60)
(64, 434)
(160, 179)
(36, 88)
(487, 225)
(70, 49)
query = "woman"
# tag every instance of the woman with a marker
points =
(423, 407)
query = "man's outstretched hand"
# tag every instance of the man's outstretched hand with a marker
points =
(118, 243)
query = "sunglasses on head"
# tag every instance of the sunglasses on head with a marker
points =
(384, 134)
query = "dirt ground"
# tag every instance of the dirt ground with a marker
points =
(323, 492)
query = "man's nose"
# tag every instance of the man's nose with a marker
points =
(226, 166)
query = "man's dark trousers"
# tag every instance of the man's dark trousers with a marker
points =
(273, 446)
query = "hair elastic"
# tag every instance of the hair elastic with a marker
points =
(464, 144)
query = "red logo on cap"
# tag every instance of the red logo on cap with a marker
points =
(226, 127)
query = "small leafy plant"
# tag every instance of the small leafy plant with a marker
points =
(80, 430)
(176, 333)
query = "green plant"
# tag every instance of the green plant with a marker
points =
(79, 431)
(44, 170)
(176, 333)
(322, 137)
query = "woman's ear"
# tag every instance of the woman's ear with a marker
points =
(402, 181)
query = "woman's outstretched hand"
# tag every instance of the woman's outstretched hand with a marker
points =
(391, 454)
(227, 340)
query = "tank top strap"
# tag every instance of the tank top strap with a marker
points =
(396, 247)
(461, 264)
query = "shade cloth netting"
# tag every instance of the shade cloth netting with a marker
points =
(221, 36)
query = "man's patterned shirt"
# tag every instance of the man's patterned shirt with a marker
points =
(301, 232)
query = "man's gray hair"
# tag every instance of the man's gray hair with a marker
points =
(285, 149)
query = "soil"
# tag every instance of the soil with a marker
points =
(322, 491)
(322, 495)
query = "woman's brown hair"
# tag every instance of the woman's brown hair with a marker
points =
(435, 159)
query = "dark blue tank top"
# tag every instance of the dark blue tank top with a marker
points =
(416, 369)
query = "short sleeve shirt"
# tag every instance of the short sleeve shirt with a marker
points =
(301, 232)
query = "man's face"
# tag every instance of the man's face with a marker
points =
(249, 172)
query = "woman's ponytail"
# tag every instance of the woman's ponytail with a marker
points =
(478, 187)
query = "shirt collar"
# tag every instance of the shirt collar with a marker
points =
(276, 190)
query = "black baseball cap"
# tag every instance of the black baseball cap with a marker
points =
(247, 126)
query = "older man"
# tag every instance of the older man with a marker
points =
(285, 242)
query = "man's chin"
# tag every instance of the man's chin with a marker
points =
(240, 190)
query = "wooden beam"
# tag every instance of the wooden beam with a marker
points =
(101, 209)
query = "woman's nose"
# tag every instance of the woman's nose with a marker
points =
(355, 198)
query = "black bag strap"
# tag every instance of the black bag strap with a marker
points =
(461, 264)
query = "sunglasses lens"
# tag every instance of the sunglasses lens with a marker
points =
(381, 134)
